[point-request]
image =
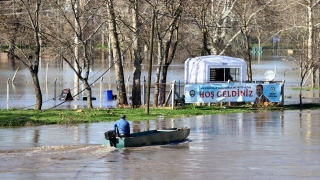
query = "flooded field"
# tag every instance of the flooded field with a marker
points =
(19, 93)
(262, 145)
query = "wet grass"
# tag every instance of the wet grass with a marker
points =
(16, 117)
(310, 106)
(305, 88)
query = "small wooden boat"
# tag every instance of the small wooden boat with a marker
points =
(146, 138)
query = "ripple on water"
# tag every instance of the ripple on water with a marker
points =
(44, 156)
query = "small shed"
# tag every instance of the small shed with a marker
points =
(206, 69)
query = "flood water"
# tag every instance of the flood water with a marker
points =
(19, 92)
(263, 145)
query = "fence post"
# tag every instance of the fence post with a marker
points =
(173, 87)
(101, 89)
(282, 92)
(15, 74)
(47, 72)
(55, 89)
(179, 88)
(8, 89)
(144, 90)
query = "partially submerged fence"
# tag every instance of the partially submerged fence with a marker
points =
(215, 92)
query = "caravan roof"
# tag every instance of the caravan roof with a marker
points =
(197, 69)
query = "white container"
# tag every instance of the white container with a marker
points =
(207, 69)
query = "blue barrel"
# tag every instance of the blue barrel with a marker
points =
(108, 95)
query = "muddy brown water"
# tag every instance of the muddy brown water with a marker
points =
(263, 145)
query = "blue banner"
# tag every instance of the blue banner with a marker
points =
(229, 92)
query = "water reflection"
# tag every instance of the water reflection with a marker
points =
(36, 137)
(309, 125)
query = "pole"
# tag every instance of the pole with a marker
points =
(76, 53)
(47, 72)
(101, 89)
(144, 90)
(8, 89)
(150, 63)
(110, 58)
(173, 87)
(103, 46)
(55, 89)
(15, 74)
(179, 88)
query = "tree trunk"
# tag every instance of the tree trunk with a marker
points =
(157, 75)
(34, 68)
(310, 39)
(122, 99)
(247, 53)
(206, 49)
(37, 89)
(12, 39)
(89, 94)
(136, 87)
(163, 84)
(87, 64)
(248, 59)
(170, 50)
(300, 94)
(12, 47)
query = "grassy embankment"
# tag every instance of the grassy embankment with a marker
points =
(15, 117)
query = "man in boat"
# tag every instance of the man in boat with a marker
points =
(122, 127)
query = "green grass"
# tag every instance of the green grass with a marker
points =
(16, 117)
(305, 88)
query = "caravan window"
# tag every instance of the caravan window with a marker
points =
(220, 74)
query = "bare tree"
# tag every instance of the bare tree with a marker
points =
(301, 35)
(136, 87)
(298, 41)
(10, 26)
(73, 42)
(170, 49)
(245, 12)
(167, 27)
(311, 6)
(122, 100)
(209, 27)
(213, 19)
(26, 26)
